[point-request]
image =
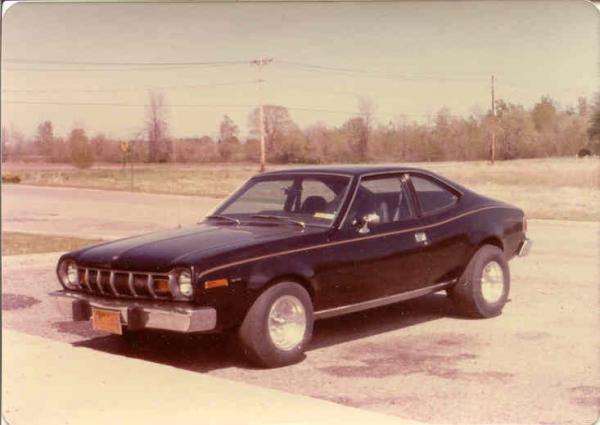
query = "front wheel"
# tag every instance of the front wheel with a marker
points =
(278, 326)
(482, 290)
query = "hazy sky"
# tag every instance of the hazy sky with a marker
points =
(92, 65)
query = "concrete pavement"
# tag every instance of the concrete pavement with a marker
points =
(46, 382)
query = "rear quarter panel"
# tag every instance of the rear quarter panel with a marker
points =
(497, 223)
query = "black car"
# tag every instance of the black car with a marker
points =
(294, 246)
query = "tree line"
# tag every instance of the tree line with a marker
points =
(543, 130)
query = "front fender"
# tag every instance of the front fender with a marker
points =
(247, 281)
(262, 273)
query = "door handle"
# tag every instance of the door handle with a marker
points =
(421, 237)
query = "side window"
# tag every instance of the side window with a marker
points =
(312, 187)
(383, 196)
(265, 197)
(317, 198)
(432, 196)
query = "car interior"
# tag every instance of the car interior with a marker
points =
(389, 206)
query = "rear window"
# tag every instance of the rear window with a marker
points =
(432, 196)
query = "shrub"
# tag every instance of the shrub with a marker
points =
(82, 154)
(8, 177)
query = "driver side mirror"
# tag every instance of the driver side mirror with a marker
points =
(362, 224)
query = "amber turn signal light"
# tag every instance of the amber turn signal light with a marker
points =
(209, 284)
(161, 286)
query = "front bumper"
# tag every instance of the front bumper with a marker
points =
(139, 314)
(524, 248)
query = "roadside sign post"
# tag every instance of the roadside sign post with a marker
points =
(126, 149)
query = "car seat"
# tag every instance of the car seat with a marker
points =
(313, 204)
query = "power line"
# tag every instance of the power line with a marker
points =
(27, 102)
(192, 64)
(101, 63)
(187, 86)
(336, 111)
(380, 74)
(156, 68)
(319, 67)
(197, 105)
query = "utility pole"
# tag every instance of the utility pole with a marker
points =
(261, 126)
(493, 126)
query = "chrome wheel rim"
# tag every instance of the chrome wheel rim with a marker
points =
(492, 282)
(287, 322)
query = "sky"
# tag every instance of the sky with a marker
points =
(93, 65)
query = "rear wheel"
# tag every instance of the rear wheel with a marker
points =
(278, 326)
(482, 290)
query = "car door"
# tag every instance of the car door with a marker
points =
(446, 239)
(384, 259)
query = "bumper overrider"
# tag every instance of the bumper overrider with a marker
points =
(139, 314)
(524, 248)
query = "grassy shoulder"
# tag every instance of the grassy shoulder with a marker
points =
(16, 243)
(213, 180)
(549, 188)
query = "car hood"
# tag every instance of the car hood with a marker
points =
(161, 251)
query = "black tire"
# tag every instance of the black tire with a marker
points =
(254, 336)
(467, 293)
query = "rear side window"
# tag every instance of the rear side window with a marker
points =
(382, 196)
(432, 196)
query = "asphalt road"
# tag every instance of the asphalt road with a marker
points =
(96, 213)
(536, 363)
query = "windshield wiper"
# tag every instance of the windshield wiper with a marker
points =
(279, 217)
(224, 217)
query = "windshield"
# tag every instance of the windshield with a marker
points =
(310, 199)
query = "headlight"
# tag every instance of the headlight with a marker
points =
(184, 280)
(67, 273)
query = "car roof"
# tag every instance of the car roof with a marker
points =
(364, 169)
(351, 170)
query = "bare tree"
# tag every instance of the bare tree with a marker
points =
(156, 127)
(366, 110)
(356, 132)
(228, 141)
(227, 129)
(82, 153)
(4, 137)
(544, 113)
(593, 130)
(44, 138)
(583, 106)
(278, 126)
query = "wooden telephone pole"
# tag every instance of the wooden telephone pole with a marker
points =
(493, 126)
(261, 126)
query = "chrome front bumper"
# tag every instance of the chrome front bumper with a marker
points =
(524, 248)
(138, 314)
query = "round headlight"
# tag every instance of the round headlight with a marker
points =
(68, 274)
(185, 283)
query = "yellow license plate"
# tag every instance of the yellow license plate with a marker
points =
(107, 321)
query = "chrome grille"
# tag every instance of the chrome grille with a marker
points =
(121, 283)
(125, 284)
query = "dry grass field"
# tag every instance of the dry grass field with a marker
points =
(553, 188)
(15, 243)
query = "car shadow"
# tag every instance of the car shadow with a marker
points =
(204, 353)
(376, 321)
